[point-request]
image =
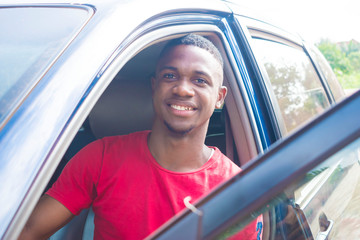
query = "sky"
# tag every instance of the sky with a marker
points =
(336, 20)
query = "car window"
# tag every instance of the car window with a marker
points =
(131, 90)
(294, 83)
(30, 46)
(324, 202)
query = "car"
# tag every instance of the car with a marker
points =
(74, 72)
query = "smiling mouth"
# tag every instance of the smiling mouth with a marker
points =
(181, 108)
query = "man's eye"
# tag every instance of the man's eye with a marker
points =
(200, 81)
(169, 76)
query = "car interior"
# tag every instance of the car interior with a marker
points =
(126, 107)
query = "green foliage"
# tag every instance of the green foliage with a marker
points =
(354, 58)
(350, 81)
(344, 58)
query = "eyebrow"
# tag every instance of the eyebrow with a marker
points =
(167, 67)
(203, 73)
(175, 69)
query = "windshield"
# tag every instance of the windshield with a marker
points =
(31, 40)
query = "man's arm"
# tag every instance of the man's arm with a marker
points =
(48, 216)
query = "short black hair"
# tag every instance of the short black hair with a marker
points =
(197, 41)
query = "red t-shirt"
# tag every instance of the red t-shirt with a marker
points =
(131, 194)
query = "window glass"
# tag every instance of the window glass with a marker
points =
(294, 82)
(335, 87)
(33, 37)
(323, 202)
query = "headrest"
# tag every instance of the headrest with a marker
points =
(124, 107)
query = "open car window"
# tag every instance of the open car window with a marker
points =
(126, 106)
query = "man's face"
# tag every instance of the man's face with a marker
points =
(187, 88)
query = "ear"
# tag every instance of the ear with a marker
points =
(221, 97)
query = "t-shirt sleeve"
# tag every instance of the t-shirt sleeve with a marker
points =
(76, 186)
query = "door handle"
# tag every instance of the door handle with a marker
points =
(326, 226)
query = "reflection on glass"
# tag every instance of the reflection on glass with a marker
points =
(294, 82)
(323, 204)
(34, 38)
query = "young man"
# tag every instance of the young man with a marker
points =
(136, 182)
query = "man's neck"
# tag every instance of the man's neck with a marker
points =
(176, 153)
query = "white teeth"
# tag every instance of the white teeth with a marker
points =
(182, 108)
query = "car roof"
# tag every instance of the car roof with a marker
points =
(142, 6)
(141, 10)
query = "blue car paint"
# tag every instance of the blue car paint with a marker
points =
(253, 98)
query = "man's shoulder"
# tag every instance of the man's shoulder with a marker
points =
(112, 149)
(109, 144)
(219, 155)
(128, 139)
(225, 162)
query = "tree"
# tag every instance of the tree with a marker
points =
(337, 58)
(344, 59)
(349, 47)
(354, 58)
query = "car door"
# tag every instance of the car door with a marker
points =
(306, 187)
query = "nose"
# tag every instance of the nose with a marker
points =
(183, 88)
